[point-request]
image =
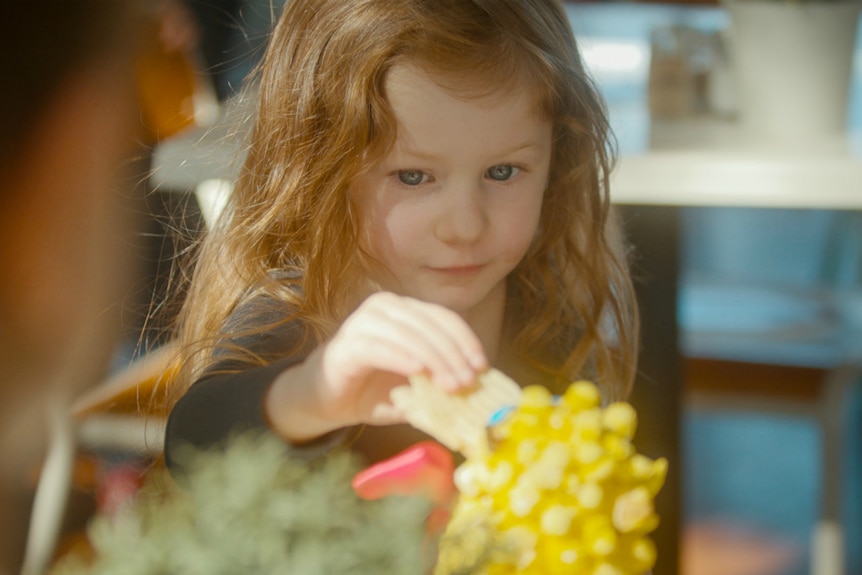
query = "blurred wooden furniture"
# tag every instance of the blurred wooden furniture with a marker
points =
(126, 415)
(128, 412)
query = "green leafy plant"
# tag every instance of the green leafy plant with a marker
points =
(253, 509)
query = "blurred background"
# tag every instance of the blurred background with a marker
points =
(741, 181)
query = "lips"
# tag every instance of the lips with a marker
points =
(464, 270)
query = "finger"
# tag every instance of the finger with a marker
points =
(457, 328)
(402, 348)
(448, 336)
(434, 335)
(353, 357)
(376, 404)
(386, 414)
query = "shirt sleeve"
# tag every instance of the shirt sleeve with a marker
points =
(229, 397)
(219, 406)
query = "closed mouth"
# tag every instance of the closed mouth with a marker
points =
(458, 270)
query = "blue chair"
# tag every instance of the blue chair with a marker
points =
(770, 317)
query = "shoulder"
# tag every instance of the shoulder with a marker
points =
(270, 301)
(265, 326)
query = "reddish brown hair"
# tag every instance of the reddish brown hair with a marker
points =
(322, 118)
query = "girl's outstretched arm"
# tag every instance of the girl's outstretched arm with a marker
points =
(347, 380)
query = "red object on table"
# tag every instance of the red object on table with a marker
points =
(425, 469)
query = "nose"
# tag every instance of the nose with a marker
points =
(463, 216)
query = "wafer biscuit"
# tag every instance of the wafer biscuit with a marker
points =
(457, 420)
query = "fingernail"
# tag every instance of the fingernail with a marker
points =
(478, 362)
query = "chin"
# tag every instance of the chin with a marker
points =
(459, 300)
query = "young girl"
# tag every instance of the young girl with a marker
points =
(425, 190)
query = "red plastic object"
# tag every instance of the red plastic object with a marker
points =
(423, 469)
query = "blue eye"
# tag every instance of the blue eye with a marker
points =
(411, 177)
(502, 173)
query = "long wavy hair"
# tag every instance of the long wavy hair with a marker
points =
(322, 118)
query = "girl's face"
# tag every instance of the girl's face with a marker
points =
(454, 206)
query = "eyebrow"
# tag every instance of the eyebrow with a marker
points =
(524, 146)
(431, 156)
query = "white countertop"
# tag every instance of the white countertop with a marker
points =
(713, 163)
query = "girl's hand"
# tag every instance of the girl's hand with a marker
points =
(387, 339)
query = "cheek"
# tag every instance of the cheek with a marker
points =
(405, 228)
(390, 231)
(519, 229)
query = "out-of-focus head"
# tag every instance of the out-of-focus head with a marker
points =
(68, 118)
(68, 115)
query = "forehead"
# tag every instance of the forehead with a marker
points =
(422, 100)
(435, 128)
